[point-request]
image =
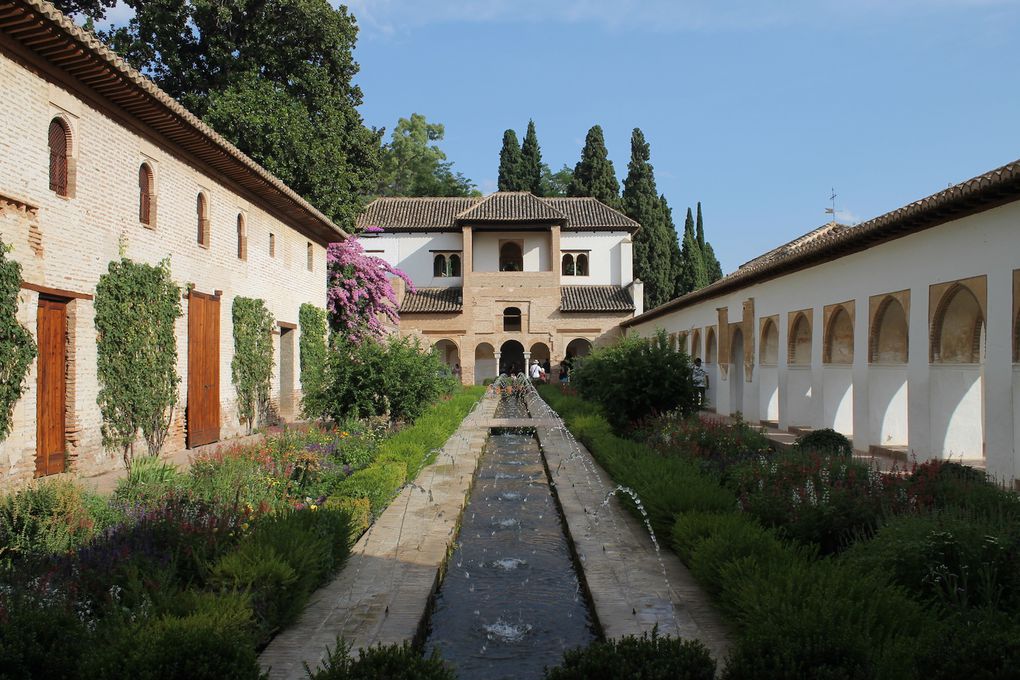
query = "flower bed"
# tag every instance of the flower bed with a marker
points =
(187, 574)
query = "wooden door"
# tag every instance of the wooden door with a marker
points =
(51, 399)
(203, 369)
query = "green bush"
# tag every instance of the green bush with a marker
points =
(692, 528)
(378, 483)
(739, 540)
(148, 477)
(251, 369)
(978, 644)
(17, 347)
(312, 346)
(393, 662)
(359, 512)
(40, 640)
(397, 377)
(636, 377)
(826, 441)
(641, 658)
(944, 484)
(258, 569)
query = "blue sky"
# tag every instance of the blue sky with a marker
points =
(756, 108)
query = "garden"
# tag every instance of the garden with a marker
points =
(824, 566)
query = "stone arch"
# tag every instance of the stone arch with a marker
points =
(888, 339)
(485, 362)
(768, 352)
(511, 357)
(511, 256)
(696, 344)
(512, 319)
(711, 346)
(800, 341)
(448, 352)
(839, 338)
(957, 328)
(579, 347)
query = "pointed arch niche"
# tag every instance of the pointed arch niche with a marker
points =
(798, 373)
(956, 313)
(888, 335)
(485, 362)
(837, 369)
(768, 369)
(711, 365)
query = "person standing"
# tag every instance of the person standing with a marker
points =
(536, 370)
(700, 380)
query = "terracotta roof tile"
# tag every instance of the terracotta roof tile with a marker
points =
(595, 299)
(591, 213)
(433, 300)
(511, 206)
(418, 214)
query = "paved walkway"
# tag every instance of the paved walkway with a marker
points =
(382, 593)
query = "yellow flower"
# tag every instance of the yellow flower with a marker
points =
(245, 526)
(314, 506)
(345, 434)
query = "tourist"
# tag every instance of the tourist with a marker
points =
(456, 372)
(700, 380)
(536, 370)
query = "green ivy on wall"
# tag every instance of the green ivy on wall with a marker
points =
(252, 367)
(312, 321)
(17, 348)
(137, 306)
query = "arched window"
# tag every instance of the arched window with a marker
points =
(439, 265)
(582, 265)
(958, 328)
(889, 333)
(696, 345)
(511, 319)
(511, 257)
(242, 238)
(567, 267)
(272, 245)
(710, 346)
(60, 153)
(769, 351)
(454, 265)
(202, 208)
(310, 256)
(800, 342)
(839, 340)
(146, 198)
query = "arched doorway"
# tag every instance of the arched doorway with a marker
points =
(956, 387)
(737, 372)
(540, 351)
(768, 371)
(578, 347)
(887, 375)
(511, 358)
(448, 353)
(837, 372)
(485, 363)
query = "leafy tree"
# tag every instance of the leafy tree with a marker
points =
(641, 202)
(17, 347)
(594, 174)
(93, 10)
(275, 78)
(358, 293)
(531, 161)
(412, 166)
(556, 183)
(511, 164)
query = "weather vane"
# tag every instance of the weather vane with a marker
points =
(832, 210)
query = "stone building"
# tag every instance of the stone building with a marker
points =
(508, 278)
(903, 332)
(96, 161)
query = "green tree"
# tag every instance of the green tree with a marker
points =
(531, 161)
(251, 369)
(556, 183)
(93, 10)
(594, 174)
(692, 269)
(675, 256)
(641, 202)
(700, 229)
(412, 165)
(713, 270)
(511, 164)
(17, 347)
(313, 352)
(275, 78)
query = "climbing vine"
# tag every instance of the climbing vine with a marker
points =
(252, 367)
(17, 348)
(312, 321)
(137, 306)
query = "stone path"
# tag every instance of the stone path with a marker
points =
(633, 588)
(382, 593)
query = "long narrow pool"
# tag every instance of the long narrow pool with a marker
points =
(511, 602)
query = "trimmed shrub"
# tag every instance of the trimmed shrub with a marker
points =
(826, 441)
(636, 377)
(393, 662)
(944, 484)
(312, 346)
(692, 528)
(378, 483)
(641, 658)
(40, 640)
(359, 512)
(980, 644)
(738, 540)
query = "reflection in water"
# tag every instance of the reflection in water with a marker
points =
(510, 603)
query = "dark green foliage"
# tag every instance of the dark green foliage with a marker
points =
(531, 161)
(556, 183)
(980, 644)
(378, 483)
(251, 369)
(312, 347)
(276, 79)
(40, 640)
(826, 440)
(393, 662)
(636, 377)
(675, 255)
(137, 306)
(512, 176)
(945, 484)
(692, 274)
(396, 376)
(594, 174)
(412, 166)
(93, 10)
(653, 263)
(713, 270)
(17, 347)
(638, 658)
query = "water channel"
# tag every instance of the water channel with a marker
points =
(511, 602)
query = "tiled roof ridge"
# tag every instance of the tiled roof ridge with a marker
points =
(499, 196)
(983, 192)
(92, 44)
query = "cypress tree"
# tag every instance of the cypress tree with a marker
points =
(594, 174)
(510, 164)
(713, 270)
(692, 268)
(675, 256)
(700, 232)
(531, 161)
(642, 204)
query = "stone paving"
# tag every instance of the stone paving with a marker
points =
(382, 594)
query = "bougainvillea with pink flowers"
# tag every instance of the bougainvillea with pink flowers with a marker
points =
(359, 295)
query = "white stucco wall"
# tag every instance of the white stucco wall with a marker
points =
(413, 254)
(605, 257)
(485, 252)
(935, 410)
